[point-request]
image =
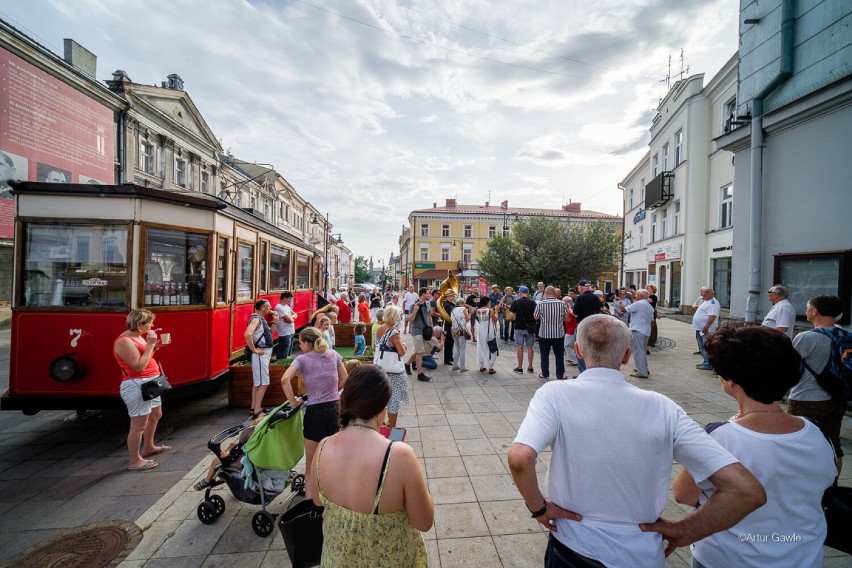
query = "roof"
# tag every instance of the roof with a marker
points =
(520, 211)
(436, 274)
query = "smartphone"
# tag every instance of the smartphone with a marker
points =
(397, 435)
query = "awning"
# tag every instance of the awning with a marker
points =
(436, 274)
(470, 274)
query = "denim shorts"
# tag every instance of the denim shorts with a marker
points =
(524, 338)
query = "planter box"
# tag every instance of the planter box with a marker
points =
(240, 385)
(344, 334)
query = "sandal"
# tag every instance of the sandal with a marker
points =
(201, 485)
(491, 371)
(482, 369)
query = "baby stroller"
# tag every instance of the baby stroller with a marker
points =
(257, 468)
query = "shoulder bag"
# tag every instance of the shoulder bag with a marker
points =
(393, 362)
(492, 343)
(427, 329)
(301, 529)
(155, 387)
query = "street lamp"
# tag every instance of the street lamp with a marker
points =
(326, 242)
(506, 216)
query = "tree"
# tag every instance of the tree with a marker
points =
(362, 272)
(545, 249)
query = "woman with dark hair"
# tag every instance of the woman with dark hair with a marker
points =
(324, 375)
(361, 527)
(790, 456)
(485, 332)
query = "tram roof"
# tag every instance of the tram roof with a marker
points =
(189, 198)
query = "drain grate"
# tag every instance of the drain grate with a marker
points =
(664, 344)
(92, 546)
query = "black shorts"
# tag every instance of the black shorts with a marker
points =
(321, 420)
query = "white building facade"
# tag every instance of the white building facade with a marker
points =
(678, 228)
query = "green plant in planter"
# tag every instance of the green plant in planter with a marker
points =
(242, 362)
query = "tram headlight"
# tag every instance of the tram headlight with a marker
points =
(65, 368)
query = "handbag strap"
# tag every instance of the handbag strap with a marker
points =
(382, 475)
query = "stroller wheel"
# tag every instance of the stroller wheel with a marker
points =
(298, 485)
(263, 523)
(206, 512)
(218, 504)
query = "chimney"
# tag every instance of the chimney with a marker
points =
(434, 205)
(80, 58)
(120, 81)
(504, 204)
(571, 207)
(486, 204)
(451, 202)
(175, 82)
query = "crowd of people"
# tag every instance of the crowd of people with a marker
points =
(763, 472)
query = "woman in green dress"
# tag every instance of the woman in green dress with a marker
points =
(374, 493)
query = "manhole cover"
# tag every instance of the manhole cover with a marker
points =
(663, 344)
(92, 546)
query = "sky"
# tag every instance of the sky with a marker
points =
(374, 108)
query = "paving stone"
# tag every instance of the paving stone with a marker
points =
(444, 467)
(436, 433)
(521, 550)
(459, 520)
(484, 465)
(439, 449)
(461, 419)
(509, 517)
(467, 552)
(479, 446)
(494, 487)
(451, 490)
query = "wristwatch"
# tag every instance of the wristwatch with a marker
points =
(540, 512)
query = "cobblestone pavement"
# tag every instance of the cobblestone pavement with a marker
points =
(57, 474)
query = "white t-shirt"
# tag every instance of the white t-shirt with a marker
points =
(782, 314)
(795, 470)
(285, 328)
(409, 300)
(613, 446)
(703, 312)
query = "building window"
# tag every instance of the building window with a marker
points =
(726, 206)
(653, 227)
(146, 157)
(641, 237)
(245, 272)
(468, 231)
(424, 229)
(722, 281)
(729, 113)
(279, 268)
(445, 253)
(817, 274)
(492, 231)
(664, 221)
(676, 219)
(205, 182)
(630, 198)
(445, 230)
(666, 158)
(678, 148)
(424, 252)
(467, 256)
(655, 165)
(642, 190)
(180, 172)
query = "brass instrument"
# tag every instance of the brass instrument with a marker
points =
(451, 284)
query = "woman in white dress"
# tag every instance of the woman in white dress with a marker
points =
(459, 318)
(485, 332)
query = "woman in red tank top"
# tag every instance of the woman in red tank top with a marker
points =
(134, 351)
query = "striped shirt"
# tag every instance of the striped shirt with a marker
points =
(552, 318)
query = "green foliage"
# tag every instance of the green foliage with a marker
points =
(543, 249)
(362, 271)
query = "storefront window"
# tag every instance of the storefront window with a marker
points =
(245, 274)
(222, 270)
(809, 275)
(175, 268)
(279, 268)
(303, 273)
(722, 281)
(74, 265)
(264, 255)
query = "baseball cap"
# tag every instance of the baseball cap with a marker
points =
(599, 293)
(582, 283)
(523, 289)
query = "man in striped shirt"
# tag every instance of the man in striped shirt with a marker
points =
(552, 314)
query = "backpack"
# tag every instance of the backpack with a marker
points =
(836, 378)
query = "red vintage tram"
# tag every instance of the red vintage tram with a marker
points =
(85, 255)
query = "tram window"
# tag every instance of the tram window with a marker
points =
(264, 254)
(221, 270)
(74, 265)
(279, 268)
(245, 271)
(175, 268)
(303, 273)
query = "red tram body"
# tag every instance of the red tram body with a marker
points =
(86, 255)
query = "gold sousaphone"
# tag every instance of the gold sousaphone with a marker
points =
(451, 284)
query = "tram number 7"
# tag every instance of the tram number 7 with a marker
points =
(76, 333)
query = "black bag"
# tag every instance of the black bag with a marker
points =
(301, 529)
(155, 387)
(427, 329)
(837, 504)
(492, 345)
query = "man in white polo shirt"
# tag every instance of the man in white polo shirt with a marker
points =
(610, 470)
(704, 321)
(782, 316)
(408, 302)
(641, 316)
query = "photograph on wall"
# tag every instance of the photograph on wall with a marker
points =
(12, 167)
(52, 174)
